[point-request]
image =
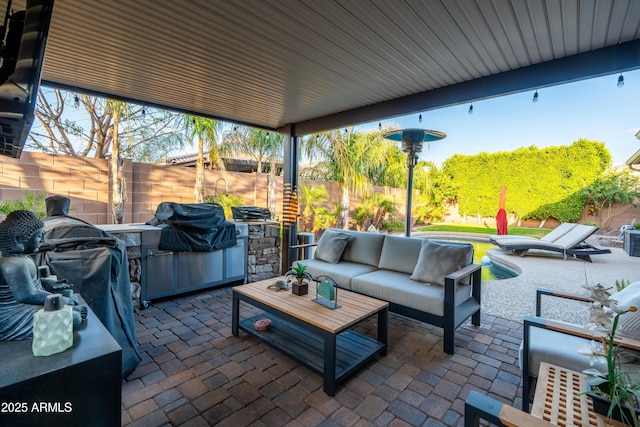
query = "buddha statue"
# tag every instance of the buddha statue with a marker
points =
(22, 292)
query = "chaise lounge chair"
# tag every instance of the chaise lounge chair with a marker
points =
(567, 239)
(550, 237)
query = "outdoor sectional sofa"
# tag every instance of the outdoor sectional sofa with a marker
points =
(431, 281)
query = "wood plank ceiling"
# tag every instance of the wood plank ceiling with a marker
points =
(321, 63)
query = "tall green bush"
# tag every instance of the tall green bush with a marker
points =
(541, 182)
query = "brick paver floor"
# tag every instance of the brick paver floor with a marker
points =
(195, 373)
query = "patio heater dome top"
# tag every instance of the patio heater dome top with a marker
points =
(415, 135)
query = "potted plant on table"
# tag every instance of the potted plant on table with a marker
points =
(614, 392)
(299, 279)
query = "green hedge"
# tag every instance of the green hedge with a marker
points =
(541, 182)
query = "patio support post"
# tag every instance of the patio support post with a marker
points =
(290, 179)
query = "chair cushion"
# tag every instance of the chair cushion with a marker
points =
(438, 259)
(629, 323)
(558, 349)
(331, 246)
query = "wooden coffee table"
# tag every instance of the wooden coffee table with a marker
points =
(315, 336)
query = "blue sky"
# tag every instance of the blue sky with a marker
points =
(595, 109)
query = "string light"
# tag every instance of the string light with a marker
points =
(471, 108)
(76, 102)
(535, 97)
(420, 118)
(379, 125)
(620, 80)
(144, 112)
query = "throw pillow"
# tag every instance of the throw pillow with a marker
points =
(629, 323)
(330, 246)
(438, 259)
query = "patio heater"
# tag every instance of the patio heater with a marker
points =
(412, 140)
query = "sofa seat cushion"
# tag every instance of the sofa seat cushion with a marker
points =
(398, 288)
(341, 272)
(558, 349)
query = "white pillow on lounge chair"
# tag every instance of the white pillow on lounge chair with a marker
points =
(629, 323)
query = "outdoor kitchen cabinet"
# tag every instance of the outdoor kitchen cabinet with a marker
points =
(169, 273)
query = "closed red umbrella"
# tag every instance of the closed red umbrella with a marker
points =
(501, 218)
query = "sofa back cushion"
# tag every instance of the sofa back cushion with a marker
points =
(331, 246)
(438, 259)
(400, 253)
(363, 247)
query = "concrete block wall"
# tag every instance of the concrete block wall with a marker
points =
(85, 181)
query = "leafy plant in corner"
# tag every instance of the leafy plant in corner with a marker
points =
(615, 384)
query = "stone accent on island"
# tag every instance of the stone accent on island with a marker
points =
(264, 250)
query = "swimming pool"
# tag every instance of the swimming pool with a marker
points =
(491, 270)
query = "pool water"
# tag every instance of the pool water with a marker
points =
(491, 270)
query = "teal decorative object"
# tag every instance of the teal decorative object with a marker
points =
(326, 292)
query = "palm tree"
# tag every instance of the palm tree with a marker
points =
(348, 154)
(205, 130)
(373, 210)
(264, 146)
(309, 196)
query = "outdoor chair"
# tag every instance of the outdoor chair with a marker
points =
(631, 226)
(550, 237)
(566, 240)
(558, 342)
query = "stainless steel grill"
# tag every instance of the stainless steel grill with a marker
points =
(168, 273)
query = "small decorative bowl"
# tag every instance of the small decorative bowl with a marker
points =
(262, 324)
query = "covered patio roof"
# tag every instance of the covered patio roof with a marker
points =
(312, 65)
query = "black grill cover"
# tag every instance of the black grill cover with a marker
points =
(96, 263)
(197, 227)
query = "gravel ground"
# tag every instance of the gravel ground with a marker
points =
(514, 298)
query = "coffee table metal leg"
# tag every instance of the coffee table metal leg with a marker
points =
(235, 314)
(383, 329)
(330, 364)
